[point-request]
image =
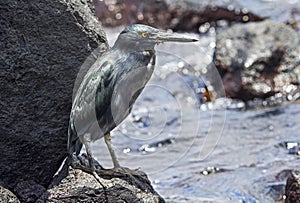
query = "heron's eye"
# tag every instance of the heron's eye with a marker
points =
(144, 34)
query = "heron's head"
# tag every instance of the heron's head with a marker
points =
(143, 37)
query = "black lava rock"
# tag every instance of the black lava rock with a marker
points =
(43, 44)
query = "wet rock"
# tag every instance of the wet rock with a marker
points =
(292, 188)
(294, 148)
(269, 113)
(259, 61)
(162, 143)
(276, 191)
(7, 196)
(173, 16)
(213, 170)
(153, 146)
(291, 146)
(275, 184)
(43, 44)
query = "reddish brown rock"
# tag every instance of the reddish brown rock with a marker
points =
(259, 60)
(159, 14)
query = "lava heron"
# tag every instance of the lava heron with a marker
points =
(111, 86)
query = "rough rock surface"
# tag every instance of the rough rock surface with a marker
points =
(43, 44)
(7, 196)
(292, 188)
(259, 60)
(79, 186)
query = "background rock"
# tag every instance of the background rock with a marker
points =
(178, 16)
(259, 60)
(43, 44)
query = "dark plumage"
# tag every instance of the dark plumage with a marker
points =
(111, 86)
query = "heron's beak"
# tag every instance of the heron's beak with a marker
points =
(161, 37)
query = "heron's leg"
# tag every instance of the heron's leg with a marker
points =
(111, 151)
(91, 163)
(117, 170)
(89, 156)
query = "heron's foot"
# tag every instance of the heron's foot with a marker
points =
(81, 162)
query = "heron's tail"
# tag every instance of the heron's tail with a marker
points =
(74, 143)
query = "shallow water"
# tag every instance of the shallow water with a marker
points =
(174, 138)
(249, 150)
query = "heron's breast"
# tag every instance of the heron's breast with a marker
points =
(135, 74)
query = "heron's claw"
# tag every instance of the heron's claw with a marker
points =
(136, 176)
(81, 162)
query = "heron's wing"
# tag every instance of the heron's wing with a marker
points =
(108, 91)
(83, 113)
(85, 67)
